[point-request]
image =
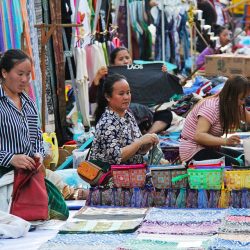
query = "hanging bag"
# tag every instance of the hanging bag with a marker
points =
(29, 197)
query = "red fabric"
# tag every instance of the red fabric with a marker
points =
(29, 197)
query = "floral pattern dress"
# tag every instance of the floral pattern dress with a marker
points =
(112, 134)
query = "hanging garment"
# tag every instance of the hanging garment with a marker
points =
(35, 50)
(82, 84)
(66, 18)
(95, 60)
(148, 84)
(51, 97)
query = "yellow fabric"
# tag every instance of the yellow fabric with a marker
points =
(237, 179)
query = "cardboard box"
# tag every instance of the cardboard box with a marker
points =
(227, 65)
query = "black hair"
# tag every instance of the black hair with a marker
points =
(230, 112)
(209, 11)
(105, 89)
(218, 29)
(10, 58)
(114, 53)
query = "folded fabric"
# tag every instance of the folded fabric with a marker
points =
(238, 211)
(233, 227)
(162, 215)
(228, 245)
(86, 241)
(238, 219)
(100, 226)
(12, 226)
(236, 237)
(109, 213)
(202, 228)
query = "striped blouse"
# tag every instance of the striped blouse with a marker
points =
(19, 130)
(209, 109)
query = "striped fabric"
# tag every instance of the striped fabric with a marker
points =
(10, 25)
(209, 109)
(19, 130)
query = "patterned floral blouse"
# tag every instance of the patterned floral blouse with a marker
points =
(112, 134)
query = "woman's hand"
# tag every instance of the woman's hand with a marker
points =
(232, 140)
(99, 75)
(164, 68)
(39, 160)
(23, 162)
(151, 139)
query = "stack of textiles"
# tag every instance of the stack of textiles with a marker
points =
(234, 231)
(182, 221)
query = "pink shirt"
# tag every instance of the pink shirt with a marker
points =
(209, 109)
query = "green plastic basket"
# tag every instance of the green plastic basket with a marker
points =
(203, 178)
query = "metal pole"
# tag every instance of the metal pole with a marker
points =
(163, 31)
(129, 28)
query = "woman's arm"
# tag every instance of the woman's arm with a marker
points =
(143, 144)
(203, 137)
(201, 58)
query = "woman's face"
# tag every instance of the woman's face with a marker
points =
(121, 97)
(122, 58)
(224, 37)
(18, 78)
(242, 99)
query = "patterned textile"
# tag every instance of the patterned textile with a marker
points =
(57, 207)
(113, 133)
(35, 50)
(86, 241)
(233, 227)
(228, 245)
(162, 177)
(237, 237)
(168, 242)
(95, 213)
(184, 215)
(238, 219)
(101, 220)
(238, 211)
(100, 226)
(129, 176)
(201, 228)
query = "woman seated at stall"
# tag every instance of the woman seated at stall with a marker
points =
(117, 137)
(119, 57)
(224, 38)
(201, 137)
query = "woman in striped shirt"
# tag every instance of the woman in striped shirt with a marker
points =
(20, 135)
(201, 137)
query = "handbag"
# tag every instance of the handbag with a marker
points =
(90, 172)
(129, 176)
(29, 197)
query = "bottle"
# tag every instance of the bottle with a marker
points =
(78, 130)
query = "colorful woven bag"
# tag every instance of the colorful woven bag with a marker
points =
(162, 176)
(203, 178)
(89, 172)
(129, 176)
(237, 179)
